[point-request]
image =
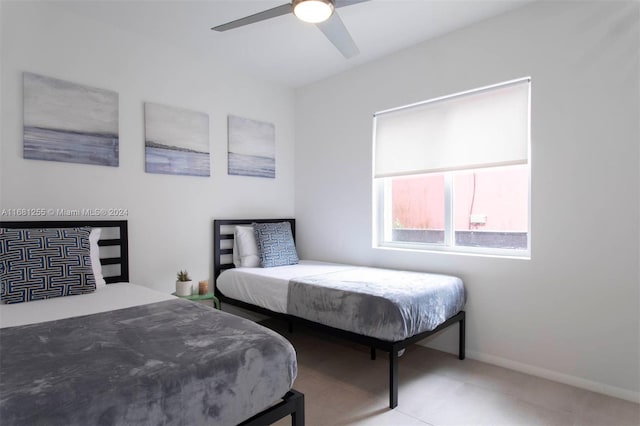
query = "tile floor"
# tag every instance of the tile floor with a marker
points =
(342, 386)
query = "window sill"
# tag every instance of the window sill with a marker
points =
(458, 250)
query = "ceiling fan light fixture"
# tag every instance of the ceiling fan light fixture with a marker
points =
(313, 11)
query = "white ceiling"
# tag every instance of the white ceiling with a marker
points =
(284, 49)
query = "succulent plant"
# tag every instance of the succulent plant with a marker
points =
(183, 276)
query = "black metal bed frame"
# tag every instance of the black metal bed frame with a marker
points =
(292, 403)
(393, 348)
(122, 241)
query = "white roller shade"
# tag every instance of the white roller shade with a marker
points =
(482, 128)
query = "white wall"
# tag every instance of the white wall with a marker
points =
(571, 313)
(170, 217)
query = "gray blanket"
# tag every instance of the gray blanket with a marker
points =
(386, 304)
(166, 363)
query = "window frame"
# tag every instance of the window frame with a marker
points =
(383, 219)
(383, 228)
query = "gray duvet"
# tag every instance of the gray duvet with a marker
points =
(385, 304)
(166, 363)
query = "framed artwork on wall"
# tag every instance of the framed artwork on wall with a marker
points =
(252, 148)
(176, 141)
(69, 122)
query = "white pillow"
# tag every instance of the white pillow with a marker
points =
(244, 244)
(94, 252)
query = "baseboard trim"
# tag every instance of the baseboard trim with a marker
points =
(555, 376)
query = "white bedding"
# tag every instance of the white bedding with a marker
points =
(268, 287)
(108, 298)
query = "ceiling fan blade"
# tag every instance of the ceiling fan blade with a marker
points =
(257, 17)
(343, 3)
(337, 33)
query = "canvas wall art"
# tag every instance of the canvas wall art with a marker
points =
(69, 122)
(252, 147)
(176, 141)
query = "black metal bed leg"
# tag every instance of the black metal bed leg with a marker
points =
(297, 417)
(373, 353)
(461, 341)
(393, 378)
(292, 404)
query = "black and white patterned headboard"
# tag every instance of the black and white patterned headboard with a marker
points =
(113, 243)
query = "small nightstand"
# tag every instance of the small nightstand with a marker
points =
(199, 297)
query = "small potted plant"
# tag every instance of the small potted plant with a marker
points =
(184, 285)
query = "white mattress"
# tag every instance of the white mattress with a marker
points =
(268, 287)
(108, 298)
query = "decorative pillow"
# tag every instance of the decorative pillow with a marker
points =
(246, 248)
(44, 263)
(275, 244)
(94, 250)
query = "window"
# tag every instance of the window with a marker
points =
(453, 173)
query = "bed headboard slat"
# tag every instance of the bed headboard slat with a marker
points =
(121, 241)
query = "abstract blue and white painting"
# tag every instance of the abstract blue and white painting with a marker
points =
(176, 141)
(69, 122)
(252, 147)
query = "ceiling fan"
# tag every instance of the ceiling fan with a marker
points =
(319, 12)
